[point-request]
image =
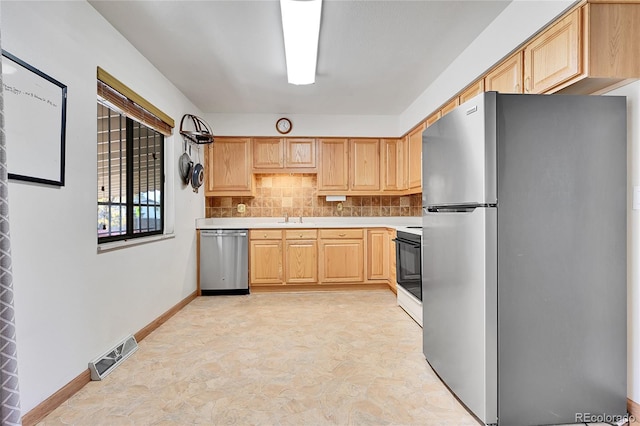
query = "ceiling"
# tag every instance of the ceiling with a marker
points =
(374, 57)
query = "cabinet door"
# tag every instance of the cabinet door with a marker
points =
(364, 174)
(300, 153)
(507, 77)
(267, 153)
(341, 261)
(228, 167)
(415, 157)
(266, 262)
(392, 260)
(450, 106)
(301, 262)
(333, 174)
(554, 56)
(377, 254)
(471, 91)
(392, 164)
(433, 118)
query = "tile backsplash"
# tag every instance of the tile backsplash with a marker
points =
(296, 195)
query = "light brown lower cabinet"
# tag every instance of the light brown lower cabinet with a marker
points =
(341, 255)
(312, 257)
(392, 260)
(377, 254)
(265, 257)
(301, 256)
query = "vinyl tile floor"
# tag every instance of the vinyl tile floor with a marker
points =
(321, 358)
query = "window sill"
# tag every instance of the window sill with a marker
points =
(116, 245)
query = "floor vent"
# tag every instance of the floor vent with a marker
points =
(107, 362)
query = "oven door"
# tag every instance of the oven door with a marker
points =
(409, 266)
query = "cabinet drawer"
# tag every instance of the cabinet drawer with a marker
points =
(265, 234)
(341, 233)
(301, 234)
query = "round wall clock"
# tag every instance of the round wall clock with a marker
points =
(283, 125)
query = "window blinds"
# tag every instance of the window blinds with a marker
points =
(132, 104)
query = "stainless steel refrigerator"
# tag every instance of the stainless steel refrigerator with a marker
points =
(524, 256)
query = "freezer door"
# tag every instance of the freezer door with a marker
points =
(459, 302)
(459, 155)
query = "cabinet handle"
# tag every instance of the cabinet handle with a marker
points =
(526, 85)
(300, 235)
(517, 88)
(265, 235)
(342, 235)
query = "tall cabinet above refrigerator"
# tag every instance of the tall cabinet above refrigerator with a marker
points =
(524, 256)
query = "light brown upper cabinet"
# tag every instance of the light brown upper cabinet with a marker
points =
(300, 153)
(333, 172)
(228, 168)
(284, 155)
(433, 118)
(450, 106)
(610, 55)
(554, 56)
(393, 171)
(506, 77)
(415, 158)
(349, 166)
(364, 174)
(268, 153)
(471, 91)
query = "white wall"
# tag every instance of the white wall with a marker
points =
(71, 303)
(305, 125)
(632, 92)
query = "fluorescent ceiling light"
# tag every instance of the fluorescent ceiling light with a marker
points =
(301, 28)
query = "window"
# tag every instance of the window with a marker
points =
(130, 168)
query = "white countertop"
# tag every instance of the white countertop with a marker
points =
(397, 222)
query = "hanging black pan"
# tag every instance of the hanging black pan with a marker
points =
(197, 177)
(185, 166)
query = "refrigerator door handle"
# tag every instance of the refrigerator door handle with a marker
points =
(456, 208)
(459, 209)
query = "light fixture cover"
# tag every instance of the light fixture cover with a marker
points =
(301, 28)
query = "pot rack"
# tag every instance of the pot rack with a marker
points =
(195, 129)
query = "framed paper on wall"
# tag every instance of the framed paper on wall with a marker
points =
(34, 119)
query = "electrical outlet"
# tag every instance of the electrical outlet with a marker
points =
(339, 207)
(242, 208)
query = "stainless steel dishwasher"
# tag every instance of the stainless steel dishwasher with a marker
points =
(224, 261)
